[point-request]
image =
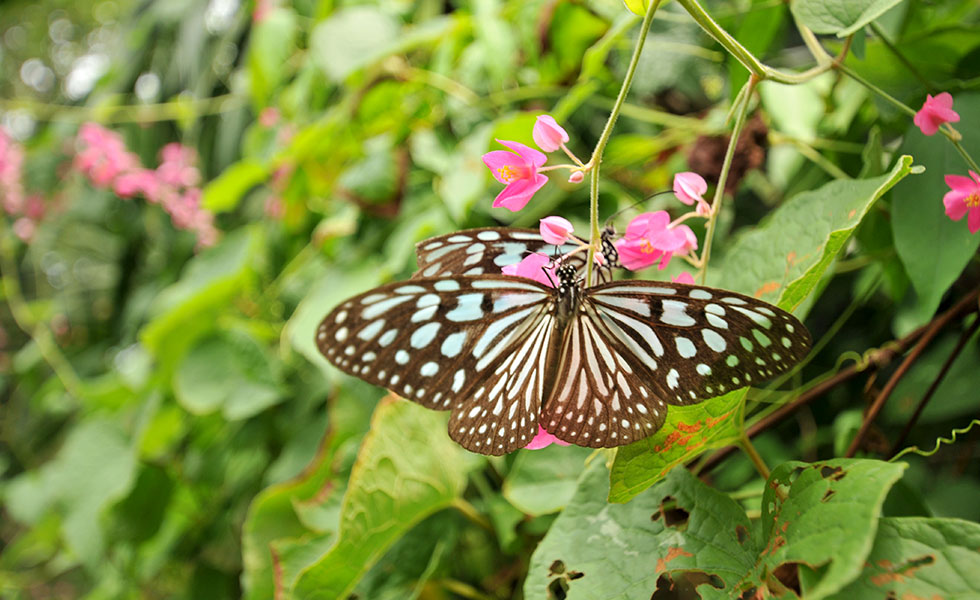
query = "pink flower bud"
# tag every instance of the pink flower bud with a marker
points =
(703, 209)
(935, 112)
(576, 177)
(684, 277)
(555, 230)
(548, 134)
(543, 439)
(689, 187)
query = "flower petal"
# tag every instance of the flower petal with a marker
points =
(973, 219)
(499, 159)
(555, 230)
(530, 156)
(518, 193)
(543, 439)
(548, 134)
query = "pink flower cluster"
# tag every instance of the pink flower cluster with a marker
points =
(174, 184)
(650, 239)
(27, 210)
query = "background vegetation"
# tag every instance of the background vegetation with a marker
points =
(168, 428)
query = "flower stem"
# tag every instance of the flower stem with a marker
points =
(754, 456)
(607, 131)
(746, 97)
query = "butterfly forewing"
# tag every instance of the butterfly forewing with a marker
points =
(694, 342)
(480, 347)
(484, 251)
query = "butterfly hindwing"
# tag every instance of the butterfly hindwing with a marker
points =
(697, 342)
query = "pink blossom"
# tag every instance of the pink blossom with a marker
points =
(576, 177)
(177, 166)
(556, 230)
(963, 198)
(24, 228)
(649, 240)
(543, 439)
(935, 112)
(138, 182)
(533, 267)
(548, 134)
(103, 155)
(269, 116)
(684, 277)
(11, 163)
(518, 170)
(689, 188)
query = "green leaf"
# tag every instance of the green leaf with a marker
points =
(637, 7)
(689, 431)
(678, 526)
(229, 371)
(225, 192)
(542, 481)
(933, 248)
(189, 307)
(920, 558)
(782, 260)
(840, 17)
(272, 41)
(352, 38)
(823, 515)
(407, 468)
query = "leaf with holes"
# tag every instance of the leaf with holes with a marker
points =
(782, 260)
(822, 515)
(678, 533)
(915, 557)
(405, 471)
(689, 431)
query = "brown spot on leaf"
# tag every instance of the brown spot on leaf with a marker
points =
(898, 573)
(573, 575)
(556, 568)
(834, 473)
(673, 515)
(672, 553)
(682, 585)
(689, 428)
(558, 589)
(767, 288)
(828, 495)
(851, 214)
(742, 534)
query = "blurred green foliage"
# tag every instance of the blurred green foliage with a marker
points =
(169, 429)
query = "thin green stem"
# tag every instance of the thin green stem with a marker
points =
(600, 146)
(746, 98)
(901, 57)
(132, 113)
(754, 456)
(38, 332)
(470, 512)
(959, 148)
(811, 153)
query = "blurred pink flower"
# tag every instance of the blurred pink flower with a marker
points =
(24, 228)
(935, 112)
(11, 163)
(177, 166)
(103, 155)
(543, 439)
(518, 170)
(963, 199)
(533, 267)
(555, 230)
(684, 277)
(649, 240)
(269, 116)
(548, 134)
(138, 182)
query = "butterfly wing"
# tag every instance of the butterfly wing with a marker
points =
(669, 344)
(480, 347)
(486, 251)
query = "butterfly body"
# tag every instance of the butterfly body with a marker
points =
(596, 365)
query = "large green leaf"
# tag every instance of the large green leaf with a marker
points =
(225, 192)
(407, 468)
(598, 551)
(542, 481)
(352, 38)
(823, 515)
(689, 431)
(782, 260)
(933, 248)
(916, 557)
(842, 17)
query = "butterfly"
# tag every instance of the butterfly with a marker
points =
(596, 366)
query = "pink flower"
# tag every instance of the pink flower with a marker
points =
(649, 240)
(24, 228)
(543, 439)
(576, 177)
(177, 166)
(963, 198)
(103, 155)
(689, 188)
(684, 277)
(269, 116)
(11, 162)
(517, 169)
(935, 112)
(138, 182)
(555, 230)
(548, 134)
(533, 267)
